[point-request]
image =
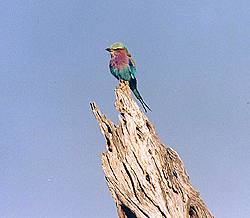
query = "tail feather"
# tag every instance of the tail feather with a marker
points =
(144, 105)
(133, 87)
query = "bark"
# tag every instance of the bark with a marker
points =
(146, 178)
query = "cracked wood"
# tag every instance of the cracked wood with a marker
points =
(145, 177)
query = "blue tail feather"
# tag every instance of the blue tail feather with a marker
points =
(133, 87)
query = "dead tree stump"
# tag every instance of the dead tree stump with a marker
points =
(146, 178)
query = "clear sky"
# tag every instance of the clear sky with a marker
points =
(193, 62)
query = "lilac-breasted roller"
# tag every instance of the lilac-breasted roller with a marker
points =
(122, 66)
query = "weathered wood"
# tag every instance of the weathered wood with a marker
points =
(145, 178)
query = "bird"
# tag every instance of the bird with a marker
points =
(122, 67)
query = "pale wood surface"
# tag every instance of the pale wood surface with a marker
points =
(145, 177)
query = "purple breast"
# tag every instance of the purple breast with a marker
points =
(119, 61)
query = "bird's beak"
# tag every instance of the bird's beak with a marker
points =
(108, 49)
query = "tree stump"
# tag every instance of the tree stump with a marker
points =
(146, 178)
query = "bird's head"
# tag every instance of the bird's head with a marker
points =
(116, 48)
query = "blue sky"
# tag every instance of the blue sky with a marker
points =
(193, 61)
